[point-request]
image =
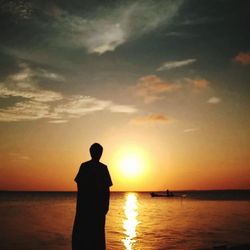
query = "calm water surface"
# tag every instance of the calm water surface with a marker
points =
(135, 221)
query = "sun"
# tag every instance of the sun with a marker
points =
(131, 165)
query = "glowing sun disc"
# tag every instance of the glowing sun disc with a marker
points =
(131, 165)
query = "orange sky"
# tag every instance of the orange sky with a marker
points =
(185, 160)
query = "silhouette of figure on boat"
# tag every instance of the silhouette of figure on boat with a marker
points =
(167, 193)
(93, 182)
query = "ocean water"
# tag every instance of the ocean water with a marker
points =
(194, 220)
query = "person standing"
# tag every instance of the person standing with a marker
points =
(93, 183)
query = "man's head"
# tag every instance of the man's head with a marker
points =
(96, 151)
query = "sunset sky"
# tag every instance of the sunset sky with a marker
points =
(162, 85)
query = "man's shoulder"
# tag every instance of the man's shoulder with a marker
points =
(103, 165)
(85, 164)
(91, 163)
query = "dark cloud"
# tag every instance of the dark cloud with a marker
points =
(17, 9)
(8, 64)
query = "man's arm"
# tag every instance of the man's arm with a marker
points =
(106, 200)
(77, 177)
(107, 184)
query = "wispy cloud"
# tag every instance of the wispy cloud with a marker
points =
(58, 121)
(24, 111)
(19, 156)
(68, 108)
(37, 103)
(152, 88)
(50, 75)
(191, 130)
(122, 108)
(23, 84)
(30, 92)
(198, 84)
(175, 64)
(242, 58)
(152, 118)
(112, 27)
(77, 106)
(214, 100)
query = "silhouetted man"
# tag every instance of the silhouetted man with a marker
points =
(93, 182)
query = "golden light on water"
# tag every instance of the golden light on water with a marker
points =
(131, 222)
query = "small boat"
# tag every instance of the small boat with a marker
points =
(162, 194)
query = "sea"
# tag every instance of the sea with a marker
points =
(136, 221)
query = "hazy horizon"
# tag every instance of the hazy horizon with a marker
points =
(131, 191)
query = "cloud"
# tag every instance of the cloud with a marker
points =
(18, 9)
(214, 100)
(243, 58)
(23, 84)
(175, 64)
(191, 130)
(122, 108)
(198, 83)
(77, 106)
(37, 103)
(24, 158)
(24, 111)
(30, 92)
(152, 88)
(152, 118)
(110, 27)
(58, 121)
(19, 156)
(62, 111)
(49, 75)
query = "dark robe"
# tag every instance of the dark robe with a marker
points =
(93, 182)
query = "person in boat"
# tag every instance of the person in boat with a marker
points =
(93, 183)
(168, 193)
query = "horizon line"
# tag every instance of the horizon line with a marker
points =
(132, 191)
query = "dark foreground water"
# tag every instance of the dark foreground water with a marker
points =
(196, 220)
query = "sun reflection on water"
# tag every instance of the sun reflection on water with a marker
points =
(130, 223)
